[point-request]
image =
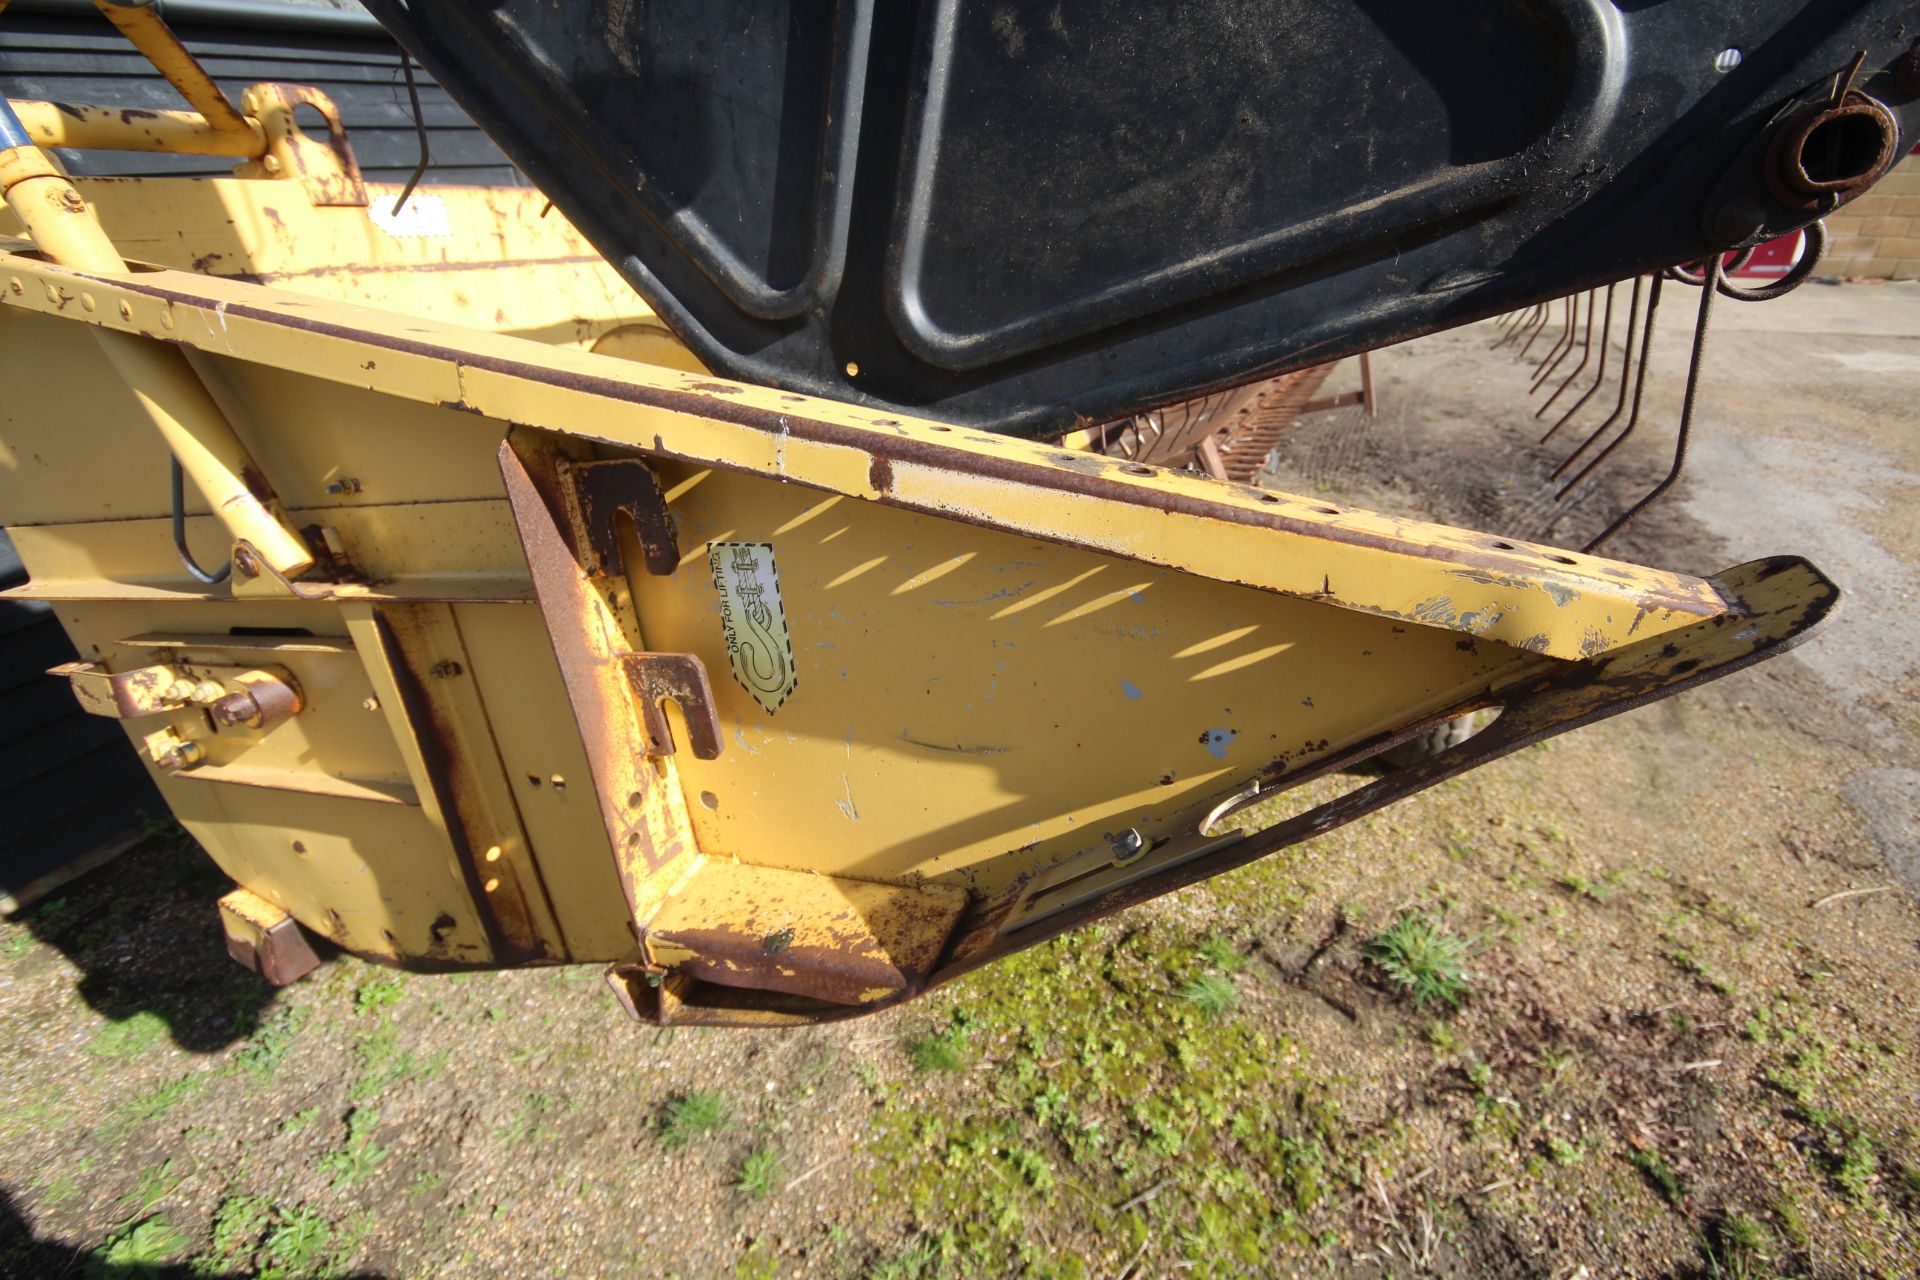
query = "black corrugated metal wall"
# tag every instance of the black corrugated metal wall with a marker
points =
(69, 783)
(70, 54)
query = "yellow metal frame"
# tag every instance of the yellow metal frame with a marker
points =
(1533, 597)
(93, 128)
(263, 131)
(784, 708)
(140, 22)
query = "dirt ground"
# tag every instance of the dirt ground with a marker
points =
(1687, 1045)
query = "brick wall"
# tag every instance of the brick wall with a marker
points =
(1878, 235)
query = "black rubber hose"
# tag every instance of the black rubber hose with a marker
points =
(180, 531)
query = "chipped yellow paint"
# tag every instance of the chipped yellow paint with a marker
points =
(1523, 595)
(1006, 657)
(112, 128)
(1055, 694)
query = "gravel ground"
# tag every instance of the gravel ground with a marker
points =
(1685, 1047)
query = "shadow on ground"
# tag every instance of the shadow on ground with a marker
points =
(23, 1254)
(144, 931)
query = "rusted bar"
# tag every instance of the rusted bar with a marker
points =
(1561, 350)
(1586, 355)
(1600, 374)
(1505, 325)
(1716, 269)
(1539, 327)
(1528, 320)
(1626, 375)
(1639, 392)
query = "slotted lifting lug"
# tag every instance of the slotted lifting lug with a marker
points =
(599, 491)
(683, 678)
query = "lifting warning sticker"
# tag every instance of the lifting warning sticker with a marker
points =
(758, 647)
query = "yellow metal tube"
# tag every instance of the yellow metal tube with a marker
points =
(54, 214)
(209, 452)
(176, 401)
(141, 24)
(96, 128)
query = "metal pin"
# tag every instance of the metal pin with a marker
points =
(419, 129)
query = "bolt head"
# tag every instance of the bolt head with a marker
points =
(180, 757)
(235, 709)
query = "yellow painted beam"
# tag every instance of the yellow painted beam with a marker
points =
(1538, 598)
(96, 128)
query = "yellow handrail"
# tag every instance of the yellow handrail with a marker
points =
(95, 128)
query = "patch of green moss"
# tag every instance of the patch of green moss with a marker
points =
(1107, 1098)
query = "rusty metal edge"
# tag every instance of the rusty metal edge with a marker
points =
(1078, 474)
(1527, 719)
(437, 757)
(530, 471)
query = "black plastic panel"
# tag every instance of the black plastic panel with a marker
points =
(1215, 181)
(1020, 216)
